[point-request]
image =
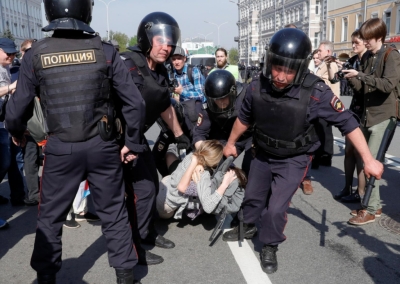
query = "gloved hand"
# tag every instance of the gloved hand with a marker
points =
(183, 142)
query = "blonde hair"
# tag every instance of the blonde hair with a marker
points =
(209, 153)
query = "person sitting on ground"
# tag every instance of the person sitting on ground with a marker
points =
(192, 179)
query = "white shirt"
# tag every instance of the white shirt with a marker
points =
(5, 80)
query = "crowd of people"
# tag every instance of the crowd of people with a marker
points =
(95, 133)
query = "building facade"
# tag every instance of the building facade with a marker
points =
(23, 18)
(260, 19)
(345, 16)
(198, 43)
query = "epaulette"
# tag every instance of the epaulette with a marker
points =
(123, 57)
(106, 42)
(320, 85)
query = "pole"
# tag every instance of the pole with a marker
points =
(108, 23)
(218, 26)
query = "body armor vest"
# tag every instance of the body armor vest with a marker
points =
(74, 86)
(155, 95)
(222, 123)
(282, 127)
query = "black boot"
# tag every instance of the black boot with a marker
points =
(46, 278)
(148, 258)
(125, 276)
(269, 263)
(352, 198)
(344, 192)
(153, 238)
(250, 231)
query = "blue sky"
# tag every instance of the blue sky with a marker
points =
(125, 16)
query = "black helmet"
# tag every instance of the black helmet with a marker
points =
(219, 85)
(75, 14)
(158, 24)
(289, 48)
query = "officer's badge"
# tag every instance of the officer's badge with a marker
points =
(337, 104)
(200, 119)
(160, 146)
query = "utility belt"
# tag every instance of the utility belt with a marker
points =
(283, 148)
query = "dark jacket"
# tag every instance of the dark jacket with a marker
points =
(379, 87)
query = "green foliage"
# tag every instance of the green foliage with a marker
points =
(7, 33)
(121, 38)
(133, 41)
(233, 56)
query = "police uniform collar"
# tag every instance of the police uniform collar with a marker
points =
(67, 24)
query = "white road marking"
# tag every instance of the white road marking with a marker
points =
(246, 259)
(389, 159)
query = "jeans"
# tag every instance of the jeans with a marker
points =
(12, 162)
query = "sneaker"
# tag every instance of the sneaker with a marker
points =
(71, 224)
(362, 218)
(269, 262)
(3, 224)
(378, 212)
(307, 187)
(87, 217)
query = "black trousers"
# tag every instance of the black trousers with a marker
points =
(142, 188)
(273, 182)
(31, 167)
(65, 166)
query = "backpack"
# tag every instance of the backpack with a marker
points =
(234, 194)
(389, 49)
(37, 123)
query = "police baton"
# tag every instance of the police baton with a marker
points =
(379, 157)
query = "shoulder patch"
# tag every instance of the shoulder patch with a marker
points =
(320, 85)
(199, 120)
(337, 104)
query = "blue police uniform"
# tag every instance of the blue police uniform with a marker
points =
(219, 126)
(74, 150)
(273, 180)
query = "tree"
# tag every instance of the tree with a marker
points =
(133, 41)
(7, 33)
(233, 56)
(121, 38)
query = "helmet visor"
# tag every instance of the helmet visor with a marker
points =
(163, 35)
(223, 104)
(284, 71)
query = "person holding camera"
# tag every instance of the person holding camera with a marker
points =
(377, 81)
(356, 62)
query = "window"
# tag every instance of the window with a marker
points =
(316, 40)
(317, 7)
(398, 21)
(332, 31)
(387, 21)
(359, 21)
(345, 25)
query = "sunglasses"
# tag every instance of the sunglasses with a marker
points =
(9, 54)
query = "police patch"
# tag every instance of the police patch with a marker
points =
(200, 119)
(68, 58)
(337, 104)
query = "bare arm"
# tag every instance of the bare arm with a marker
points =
(8, 88)
(169, 116)
(238, 129)
(187, 176)
(372, 167)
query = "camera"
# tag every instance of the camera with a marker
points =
(345, 66)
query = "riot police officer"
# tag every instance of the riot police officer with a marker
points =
(284, 104)
(158, 35)
(216, 117)
(73, 72)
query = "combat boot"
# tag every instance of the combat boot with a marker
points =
(250, 230)
(46, 278)
(125, 276)
(269, 262)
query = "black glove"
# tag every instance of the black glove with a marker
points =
(183, 142)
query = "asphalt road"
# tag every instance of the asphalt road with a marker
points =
(320, 247)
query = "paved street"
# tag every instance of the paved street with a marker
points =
(320, 247)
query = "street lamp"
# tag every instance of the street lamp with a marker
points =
(218, 26)
(108, 23)
(205, 39)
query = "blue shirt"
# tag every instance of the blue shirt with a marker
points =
(191, 91)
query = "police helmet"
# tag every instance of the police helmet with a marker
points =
(289, 48)
(158, 24)
(75, 14)
(220, 91)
